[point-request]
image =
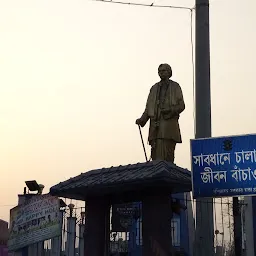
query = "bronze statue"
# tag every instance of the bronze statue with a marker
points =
(164, 105)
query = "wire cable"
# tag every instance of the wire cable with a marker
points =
(145, 5)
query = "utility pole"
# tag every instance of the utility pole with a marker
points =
(204, 242)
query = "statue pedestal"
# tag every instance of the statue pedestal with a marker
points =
(156, 225)
(97, 227)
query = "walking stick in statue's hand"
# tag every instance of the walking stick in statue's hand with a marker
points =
(143, 144)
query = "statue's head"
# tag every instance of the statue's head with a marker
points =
(164, 71)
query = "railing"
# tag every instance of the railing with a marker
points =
(71, 242)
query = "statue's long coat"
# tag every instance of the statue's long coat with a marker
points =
(168, 121)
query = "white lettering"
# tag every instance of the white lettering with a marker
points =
(224, 157)
(215, 159)
(207, 175)
(221, 175)
(243, 156)
(241, 174)
(198, 160)
(236, 190)
(250, 155)
(220, 191)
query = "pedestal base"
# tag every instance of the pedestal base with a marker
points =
(156, 230)
(96, 235)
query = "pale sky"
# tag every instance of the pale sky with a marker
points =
(75, 75)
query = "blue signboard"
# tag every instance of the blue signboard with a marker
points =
(224, 166)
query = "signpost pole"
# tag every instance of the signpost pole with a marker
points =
(204, 244)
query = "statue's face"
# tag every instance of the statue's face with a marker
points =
(163, 73)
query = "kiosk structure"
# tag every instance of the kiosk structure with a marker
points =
(150, 183)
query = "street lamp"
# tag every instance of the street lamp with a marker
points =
(32, 186)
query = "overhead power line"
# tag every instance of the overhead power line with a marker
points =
(147, 5)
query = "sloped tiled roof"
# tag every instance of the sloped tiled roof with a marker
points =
(125, 178)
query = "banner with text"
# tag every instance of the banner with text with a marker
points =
(36, 220)
(224, 166)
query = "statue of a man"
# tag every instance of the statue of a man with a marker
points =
(164, 105)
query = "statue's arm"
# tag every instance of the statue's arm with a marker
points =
(180, 106)
(145, 117)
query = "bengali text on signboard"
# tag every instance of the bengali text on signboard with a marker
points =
(36, 220)
(224, 166)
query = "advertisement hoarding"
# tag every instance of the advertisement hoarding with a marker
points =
(36, 220)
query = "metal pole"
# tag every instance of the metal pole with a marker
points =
(61, 233)
(204, 244)
(71, 230)
(81, 239)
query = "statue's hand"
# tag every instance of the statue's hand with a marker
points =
(138, 121)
